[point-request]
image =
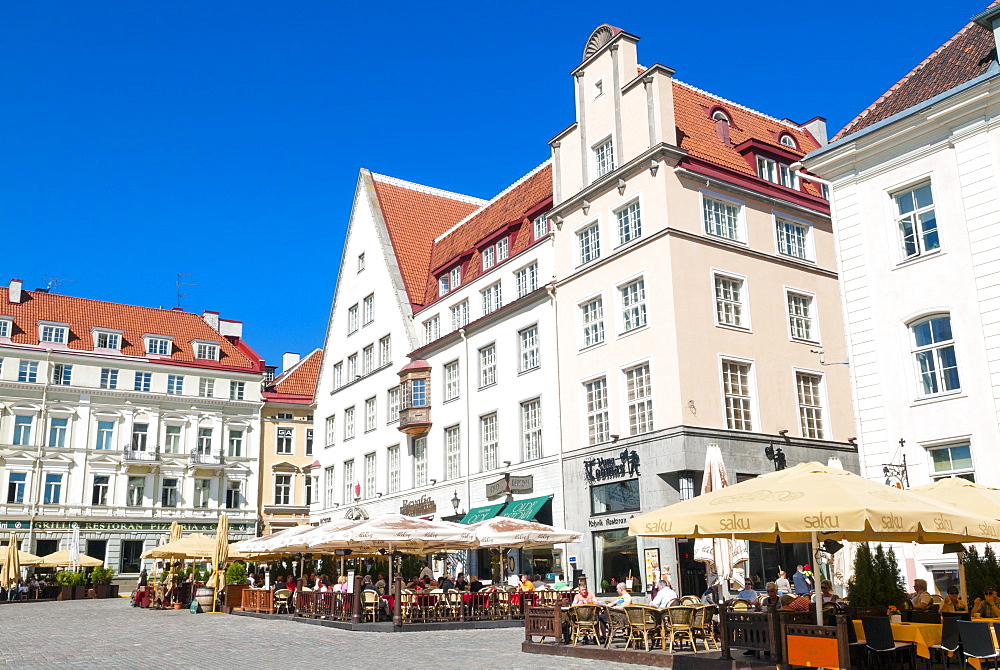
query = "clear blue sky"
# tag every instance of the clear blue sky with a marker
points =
(140, 139)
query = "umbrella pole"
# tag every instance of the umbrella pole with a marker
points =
(817, 592)
(961, 577)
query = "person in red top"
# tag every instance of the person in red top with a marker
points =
(584, 597)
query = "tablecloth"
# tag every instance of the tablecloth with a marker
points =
(924, 635)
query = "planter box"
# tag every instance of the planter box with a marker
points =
(65, 593)
(234, 595)
(79, 592)
(113, 590)
(102, 590)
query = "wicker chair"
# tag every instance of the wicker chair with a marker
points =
(679, 626)
(370, 601)
(702, 626)
(740, 605)
(501, 604)
(583, 622)
(690, 600)
(645, 623)
(454, 602)
(407, 604)
(282, 601)
(618, 626)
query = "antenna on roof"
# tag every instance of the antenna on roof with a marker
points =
(52, 283)
(179, 284)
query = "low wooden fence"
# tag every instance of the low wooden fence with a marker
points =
(260, 601)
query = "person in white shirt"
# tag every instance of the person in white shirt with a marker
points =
(664, 595)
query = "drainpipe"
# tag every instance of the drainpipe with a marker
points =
(551, 289)
(36, 470)
(468, 435)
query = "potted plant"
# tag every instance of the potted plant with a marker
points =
(65, 580)
(101, 578)
(877, 583)
(79, 583)
(236, 583)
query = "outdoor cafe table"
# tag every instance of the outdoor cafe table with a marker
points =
(924, 635)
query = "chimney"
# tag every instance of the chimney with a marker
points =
(212, 319)
(288, 359)
(231, 328)
(14, 291)
(817, 127)
(990, 19)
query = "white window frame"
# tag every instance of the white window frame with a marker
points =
(502, 249)
(352, 319)
(452, 384)
(175, 384)
(338, 374)
(803, 411)
(6, 326)
(112, 339)
(488, 258)
(489, 441)
(488, 365)
(492, 298)
(62, 374)
(384, 351)
(597, 422)
(603, 157)
(209, 349)
(596, 326)
(526, 279)
(349, 482)
(754, 398)
(531, 429)
(540, 226)
(361, 262)
(284, 441)
(331, 430)
(744, 301)
(159, 345)
(808, 247)
(368, 313)
(393, 478)
(206, 387)
(109, 378)
(934, 348)
(740, 223)
(52, 332)
(432, 329)
(453, 452)
(455, 277)
(371, 476)
(420, 461)
(393, 398)
(349, 423)
(632, 221)
(237, 390)
(639, 307)
(371, 414)
(528, 348)
(814, 334)
(632, 406)
(368, 359)
(582, 258)
(953, 471)
(27, 372)
(897, 218)
(329, 486)
(460, 315)
(767, 169)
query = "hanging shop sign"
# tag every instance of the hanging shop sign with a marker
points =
(419, 507)
(599, 469)
(511, 484)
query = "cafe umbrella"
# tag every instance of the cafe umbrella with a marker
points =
(722, 554)
(10, 571)
(220, 555)
(808, 501)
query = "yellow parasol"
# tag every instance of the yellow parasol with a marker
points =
(176, 531)
(192, 547)
(62, 558)
(10, 572)
(220, 555)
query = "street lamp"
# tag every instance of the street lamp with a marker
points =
(456, 501)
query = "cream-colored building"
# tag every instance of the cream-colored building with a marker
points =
(696, 283)
(288, 484)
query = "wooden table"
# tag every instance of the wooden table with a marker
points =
(924, 635)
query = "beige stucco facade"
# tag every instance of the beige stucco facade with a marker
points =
(281, 467)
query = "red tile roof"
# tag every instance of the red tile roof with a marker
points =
(699, 134)
(509, 210)
(415, 215)
(964, 57)
(83, 315)
(300, 380)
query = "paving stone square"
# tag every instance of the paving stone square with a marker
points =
(113, 634)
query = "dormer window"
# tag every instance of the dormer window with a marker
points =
(788, 141)
(495, 253)
(107, 339)
(719, 115)
(443, 285)
(159, 345)
(55, 333)
(776, 172)
(6, 326)
(488, 258)
(456, 277)
(503, 248)
(206, 351)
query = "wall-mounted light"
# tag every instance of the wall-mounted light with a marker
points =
(653, 167)
(586, 207)
(378, 495)
(614, 438)
(433, 482)
(456, 501)
(783, 433)
(506, 464)
(621, 186)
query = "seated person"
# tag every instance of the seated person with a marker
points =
(279, 583)
(460, 583)
(664, 595)
(584, 597)
(920, 599)
(445, 583)
(827, 589)
(771, 598)
(748, 592)
(475, 586)
(953, 603)
(987, 606)
(526, 586)
(560, 583)
(380, 584)
(624, 598)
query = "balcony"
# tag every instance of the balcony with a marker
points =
(212, 458)
(132, 456)
(415, 420)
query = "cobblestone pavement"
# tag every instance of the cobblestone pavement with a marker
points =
(113, 634)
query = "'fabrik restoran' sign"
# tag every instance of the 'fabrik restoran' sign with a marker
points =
(419, 507)
(601, 469)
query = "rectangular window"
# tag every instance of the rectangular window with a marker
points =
(604, 157)
(352, 368)
(443, 285)
(54, 334)
(331, 430)
(633, 305)
(393, 472)
(329, 486)
(526, 280)
(432, 329)
(143, 381)
(808, 390)
(158, 346)
(206, 387)
(352, 319)
(789, 177)
(541, 226)
(350, 492)
(916, 221)
(793, 239)
(108, 341)
(629, 223)
(105, 435)
(131, 557)
(62, 374)
(729, 301)
(934, 353)
(767, 169)
(369, 309)
(392, 404)
(22, 430)
(800, 321)
(204, 441)
(420, 461)
(234, 494)
(384, 351)
(531, 429)
(99, 494)
(528, 342)
(282, 489)
(286, 436)
(451, 381)
(487, 366)
(488, 258)
(175, 384)
(589, 242)
(722, 219)
(136, 494)
(109, 378)
(615, 498)
(640, 399)
(455, 276)
(371, 415)
(202, 488)
(460, 315)
(237, 390)
(414, 393)
(172, 441)
(308, 483)
(57, 432)
(598, 425)
(370, 476)
(206, 351)
(736, 389)
(593, 322)
(53, 489)
(488, 440)
(5, 327)
(236, 443)
(503, 249)
(140, 436)
(368, 359)
(27, 371)
(16, 484)
(952, 461)
(453, 453)
(492, 300)
(338, 375)
(349, 423)
(309, 441)
(361, 263)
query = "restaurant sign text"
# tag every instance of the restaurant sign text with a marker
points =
(419, 507)
(599, 469)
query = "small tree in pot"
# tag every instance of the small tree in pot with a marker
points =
(877, 582)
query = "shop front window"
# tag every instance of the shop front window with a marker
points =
(615, 497)
(616, 555)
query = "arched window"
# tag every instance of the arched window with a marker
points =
(788, 141)
(934, 355)
(719, 115)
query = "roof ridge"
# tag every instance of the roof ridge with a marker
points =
(493, 200)
(112, 302)
(892, 89)
(736, 104)
(295, 367)
(429, 190)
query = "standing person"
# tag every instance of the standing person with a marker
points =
(803, 584)
(426, 572)
(781, 583)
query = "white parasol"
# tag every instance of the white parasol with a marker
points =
(724, 556)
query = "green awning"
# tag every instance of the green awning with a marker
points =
(525, 510)
(482, 513)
